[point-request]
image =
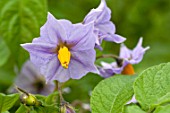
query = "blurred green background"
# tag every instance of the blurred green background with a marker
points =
(149, 19)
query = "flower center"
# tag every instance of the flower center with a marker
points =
(64, 56)
(128, 70)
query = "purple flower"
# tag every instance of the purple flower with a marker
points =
(129, 57)
(133, 56)
(104, 29)
(63, 50)
(32, 81)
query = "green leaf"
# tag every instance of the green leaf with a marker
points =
(52, 99)
(4, 52)
(20, 22)
(162, 109)
(46, 109)
(41, 98)
(161, 101)
(6, 112)
(23, 109)
(7, 101)
(111, 94)
(133, 109)
(152, 84)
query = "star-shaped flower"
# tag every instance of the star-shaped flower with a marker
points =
(63, 50)
(133, 56)
(104, 29)
(128, 57)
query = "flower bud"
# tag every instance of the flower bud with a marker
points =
(66, 108)
(29, 100)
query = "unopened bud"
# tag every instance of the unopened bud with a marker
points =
(66, 108)
(29, 100)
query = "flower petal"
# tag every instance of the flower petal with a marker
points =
(82, 37)
(40, 53)
(105, 14)
(91, 16)
(62, 74)
(68, 26)
(115, 38)
(44, 37)
(98, 15)
(81, 63)
(106, 28)
(106, 65)
(105, 72)
(138, 52)
(55, 30)
(125, 53)
(54, 71)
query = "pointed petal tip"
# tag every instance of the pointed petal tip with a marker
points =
(24, 45)
(50, 16)
(146, 48)
(140, 41)
(118, 38)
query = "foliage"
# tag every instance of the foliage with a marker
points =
(111, 94)
(151, 90)
(7, 101)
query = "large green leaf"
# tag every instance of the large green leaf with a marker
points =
(133, 109)
(7, 101)
(20, 21)
(111, 94)
(162, 109)
(161, 101)
(152, 85)
(4, 52)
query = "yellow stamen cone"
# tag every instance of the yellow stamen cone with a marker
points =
(64, 56)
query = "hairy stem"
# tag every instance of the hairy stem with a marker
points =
(117, 58)
(108, 56)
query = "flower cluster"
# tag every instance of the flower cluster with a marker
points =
(65, 50)
(127, 58)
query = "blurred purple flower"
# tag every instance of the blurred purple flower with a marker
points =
(129, 57)
(104, 29)
(63, 50)
(32, 81)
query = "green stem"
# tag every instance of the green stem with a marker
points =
(21, 90)
(108, 56)
(117, 58)
(60, 92)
